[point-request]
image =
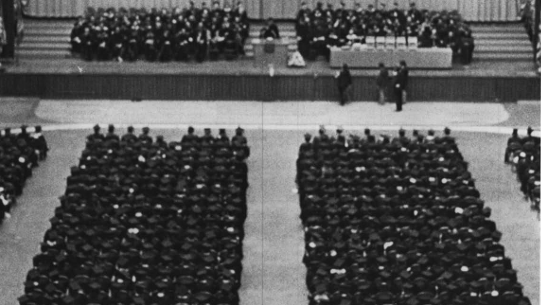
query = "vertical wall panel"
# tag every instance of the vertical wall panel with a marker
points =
(258, 87)
(290, 9)
(472, 10)
(481, 11)
(253, 8)
(272, 9)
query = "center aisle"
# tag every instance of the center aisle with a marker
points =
(283, 237)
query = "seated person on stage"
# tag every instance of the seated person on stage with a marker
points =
(158, 35)
(303, 36)
(319, 41)
(347, 26)
(270, 31)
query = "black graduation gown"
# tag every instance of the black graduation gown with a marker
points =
(200, 38)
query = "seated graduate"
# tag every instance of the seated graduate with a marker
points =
(270, 30)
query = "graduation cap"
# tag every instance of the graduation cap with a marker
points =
(321, 288)
(87, 248)
(166, 258)
(345, 302)
(386, 275)
(23, 300)
(322, 271)
(122, 261)
(339, 263)
(74, 286)
(162, 285)
(68, 300)
(405, 274)
(94, 285)
(203, 297)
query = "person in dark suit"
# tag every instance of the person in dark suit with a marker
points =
(400, 85)
(383, 83)
(344, 84)
(270, 30)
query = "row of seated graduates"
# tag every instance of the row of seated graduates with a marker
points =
(523, 154)
(398, 221)
(320, 28)
(144, 221)
(166, 35)
(19, 154)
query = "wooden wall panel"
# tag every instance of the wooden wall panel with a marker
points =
(471, 10)
(258, 87)
(253, 8)
(290, 9)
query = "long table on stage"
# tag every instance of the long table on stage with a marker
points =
(430, 58)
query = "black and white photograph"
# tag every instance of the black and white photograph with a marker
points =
(270, 152)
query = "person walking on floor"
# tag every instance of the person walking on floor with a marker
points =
(383, 83)
(344, 84)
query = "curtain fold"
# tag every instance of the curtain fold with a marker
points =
(471, 10)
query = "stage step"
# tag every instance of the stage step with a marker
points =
(48, 27)
(47, 32)
(514, 28)
(503, 49)
(501, 43)
(43, 46)
(503, 57)
(42, 54)
(501, 36)
(497, 42)
(47, 39)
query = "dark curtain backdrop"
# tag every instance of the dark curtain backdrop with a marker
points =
(472, 10)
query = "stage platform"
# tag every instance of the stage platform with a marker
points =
(72, 78)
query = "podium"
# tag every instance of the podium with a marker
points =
(270, 52)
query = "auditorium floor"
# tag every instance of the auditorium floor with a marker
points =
(273, 271)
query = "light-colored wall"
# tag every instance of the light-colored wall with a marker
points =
(472, 10)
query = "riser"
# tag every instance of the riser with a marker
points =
(503, 43)
(47, 27)
(503, 54)
(42, 56)
(500, 36)
(47, 33)
(489, 57)
(507, 49)
(46, 39)
(497, 29)
(495, 61)
(37, 53)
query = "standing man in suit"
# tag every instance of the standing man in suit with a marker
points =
(400, 85)
(270, 30)
(344, 84)
(383, 83)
